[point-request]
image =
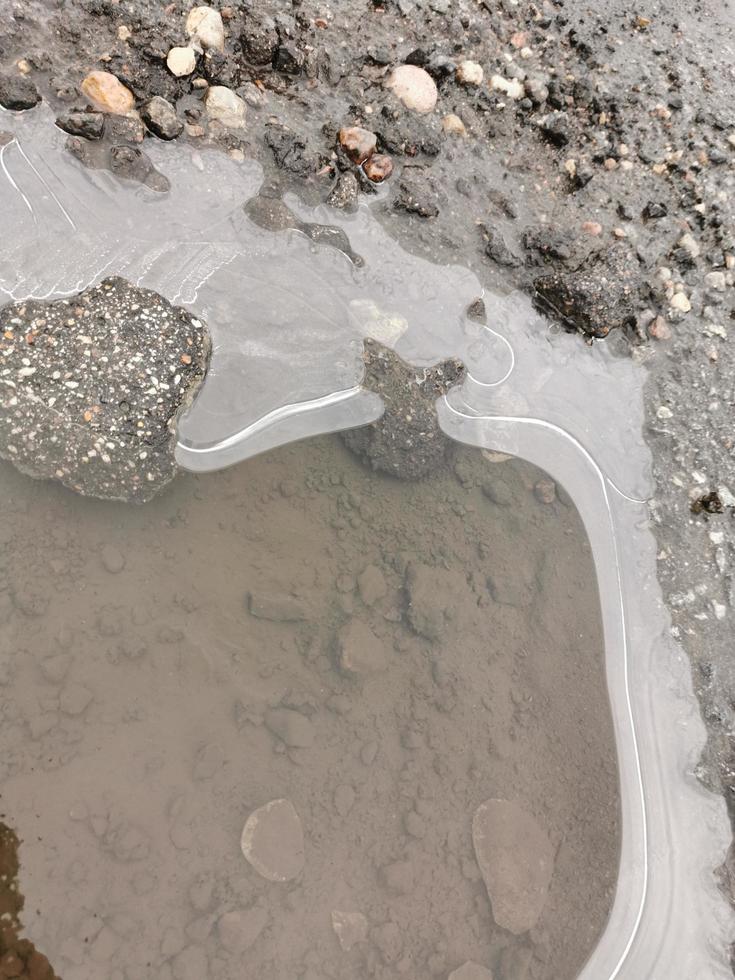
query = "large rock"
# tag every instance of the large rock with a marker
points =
(516, 859)
(273, 841)
(92, 386)
(406, 441)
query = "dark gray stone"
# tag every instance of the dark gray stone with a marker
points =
(93, 386)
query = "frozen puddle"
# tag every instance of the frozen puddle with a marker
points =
(297, 719)
(387, 657)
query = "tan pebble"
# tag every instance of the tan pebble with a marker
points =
(204, 24)
(659, 329)
(592, 227)
(470, 73)
(414, 87)
(108, 93)
(181, 61)
(453, 125)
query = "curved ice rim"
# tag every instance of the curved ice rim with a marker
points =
(641, 800)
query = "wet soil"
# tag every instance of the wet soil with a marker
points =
(167, 670)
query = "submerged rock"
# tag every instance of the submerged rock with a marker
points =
(92, 386)
(273, 841)
(406, 441)
(470, 971)
(516, 859)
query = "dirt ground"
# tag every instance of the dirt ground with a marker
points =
(167, 669)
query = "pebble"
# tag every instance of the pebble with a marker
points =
(293, 728)
(516, 860)
(690, 245)
(238, 930)
(545, 491)
(350, 927)
(509, 86)
(181, 61)
(358, 143)
(108, 93)
(113, 559)
(378, 168)
(716, 281)
(273, 841)
(161, 119)
(414, 87)
(453, 125)
(204, 24)
(277, 607)
(371, 585)
(659, 329)
(592, 227)
(680, 303)
(344, 799)
(74, 698)
(470, 971)
(17, 92)
(223, 105)
(360, 650)
(470, 73)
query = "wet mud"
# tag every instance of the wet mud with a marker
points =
(260, 724)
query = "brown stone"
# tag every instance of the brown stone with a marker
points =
(378, 168)
(358, 143)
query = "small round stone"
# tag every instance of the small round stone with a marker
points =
(181, 61)
(414, 87)
(470, 73)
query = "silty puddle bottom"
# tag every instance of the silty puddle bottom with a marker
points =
(386, 657)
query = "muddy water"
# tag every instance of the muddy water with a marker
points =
(168, 670)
